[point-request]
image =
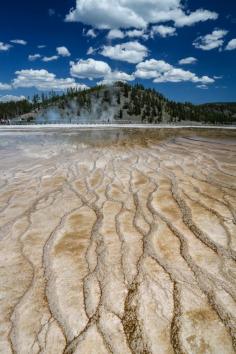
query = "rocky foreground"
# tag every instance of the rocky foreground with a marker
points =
(117, 242)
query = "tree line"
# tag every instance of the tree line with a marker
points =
(136, 100)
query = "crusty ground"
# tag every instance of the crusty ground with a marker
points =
(127, 245)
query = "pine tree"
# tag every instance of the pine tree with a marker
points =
(118, 98)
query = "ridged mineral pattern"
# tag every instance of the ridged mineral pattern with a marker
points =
(123, 247)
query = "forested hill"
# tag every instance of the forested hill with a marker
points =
(120, 103)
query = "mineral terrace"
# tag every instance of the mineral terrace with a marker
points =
(117, 241)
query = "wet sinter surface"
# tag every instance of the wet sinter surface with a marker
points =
(117, 242)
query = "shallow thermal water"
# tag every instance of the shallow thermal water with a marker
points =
(117, 241)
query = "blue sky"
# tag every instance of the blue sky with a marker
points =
(184, 49)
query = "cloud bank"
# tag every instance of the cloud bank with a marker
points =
(211, 41)
(188, 60)
(97, 69)
(43, 81)
(114, 14)
(132, 52)
(4, 47)
(63, 51)
(19, 41)
(5, 86)
(11, 98)
(231, 45)
(161, 71)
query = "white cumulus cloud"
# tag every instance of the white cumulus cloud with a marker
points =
(116, 76)
(91, 33)
(19, 41)
(211, 41)
(96, 69)
(43, 80)
(161, 71)
(33, 57)
(52, 58)
(188, 60)
(163, 31)
(63, 51)
(231, 45)
(131, 52)
(115, 34)
(180, 75)
(91, 50)
(111, 14)
(12, 98)
(200, 15)
(89, 69)
(202, 86)
(136, 33)
(4, 47)
(150, 69)
(5, 86)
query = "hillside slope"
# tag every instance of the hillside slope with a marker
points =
(119, 103)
